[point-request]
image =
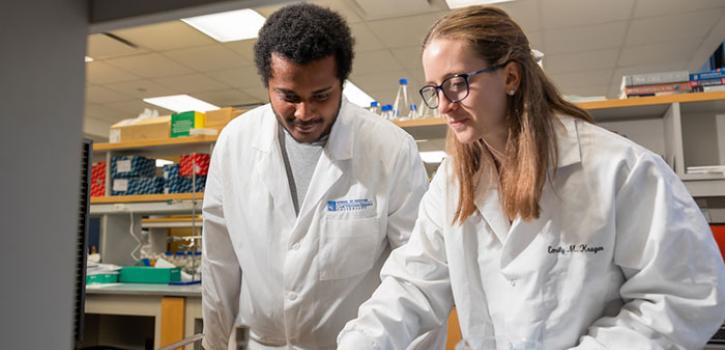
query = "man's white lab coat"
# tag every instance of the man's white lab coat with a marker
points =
(296, 280)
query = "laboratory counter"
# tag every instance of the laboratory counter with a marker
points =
(193, 290)
(176, 310)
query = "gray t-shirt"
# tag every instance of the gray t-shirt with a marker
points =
(300, 160)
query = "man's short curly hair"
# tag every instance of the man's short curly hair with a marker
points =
(304, 33)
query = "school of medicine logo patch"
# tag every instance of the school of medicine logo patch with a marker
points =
(349, 204)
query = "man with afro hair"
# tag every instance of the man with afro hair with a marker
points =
(305, 197)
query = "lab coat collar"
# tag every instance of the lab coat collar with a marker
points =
(567, 141)
(488, 199)
(339, 146)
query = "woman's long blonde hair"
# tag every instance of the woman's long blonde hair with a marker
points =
(530, 148)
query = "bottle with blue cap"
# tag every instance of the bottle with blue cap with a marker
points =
(387, 112)
(402, 105)
(373, 107)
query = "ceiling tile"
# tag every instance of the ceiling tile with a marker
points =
(244, 77)
(403, 31)
(165, 36)
(268, 10)
(536, 41)
(383, 96)
(365, 40)
(96, 128)
(586, 90)
(587, 38)
(385, 82)
(192, 83)
(417, 75)
(228, 97)
(99, 94)
(207, 58)
(408, 57)
(569, 13)
(101, 46)
(525, 13)
(103, 112)
(375, 61)
(150, 65)
(652, 8)
(567, 81)
(102, 73)
(131, 109)
(676, 51)
(145, 89)
(347, 11)
(245, 48)
(667, 28)
(580, 61)
(259, 93)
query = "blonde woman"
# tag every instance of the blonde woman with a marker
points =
(545, 231)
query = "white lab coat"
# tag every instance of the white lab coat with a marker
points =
(296, 280)
(620, 258)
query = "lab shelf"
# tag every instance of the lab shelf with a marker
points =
(154, 143)
(148, 198)
(147, 204)
(158, 148)
(172, 222)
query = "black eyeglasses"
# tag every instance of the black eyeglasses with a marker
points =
(455, 88)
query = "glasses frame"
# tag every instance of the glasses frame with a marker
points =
(466, 77)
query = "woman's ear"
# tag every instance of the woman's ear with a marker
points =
(512, 74)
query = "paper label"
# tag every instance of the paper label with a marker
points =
(123, 166)
(120, 185)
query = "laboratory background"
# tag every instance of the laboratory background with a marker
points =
(104, 240)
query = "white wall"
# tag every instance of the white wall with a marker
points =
(42, 78)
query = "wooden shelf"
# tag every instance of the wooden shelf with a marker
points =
(420, 122)
(654, 100)
(145, 198)
(172, 222)
(154, 143)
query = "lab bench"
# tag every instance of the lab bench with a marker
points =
(129, 315)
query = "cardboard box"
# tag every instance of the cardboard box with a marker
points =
(146, 129)
(182, 122)
(219, 118)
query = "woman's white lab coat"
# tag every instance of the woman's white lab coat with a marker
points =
(620, 258)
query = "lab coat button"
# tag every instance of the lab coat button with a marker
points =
(296, 246)
(291, 295)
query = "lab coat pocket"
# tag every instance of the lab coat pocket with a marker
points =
(347, 247)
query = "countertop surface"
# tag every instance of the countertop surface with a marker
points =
(193, 290)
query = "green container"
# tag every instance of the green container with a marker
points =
(147, 274)
(182, 123)
(102, 278)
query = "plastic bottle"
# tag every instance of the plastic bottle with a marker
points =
(413, 114)
(401, 106)
(373, 107)
(387, 112)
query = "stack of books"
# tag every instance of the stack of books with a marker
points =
(670, 83)
(655, 84)
(708, 81)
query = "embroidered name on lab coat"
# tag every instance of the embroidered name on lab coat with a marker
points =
(575, 248)
(349, 204)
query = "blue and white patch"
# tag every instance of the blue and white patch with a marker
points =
(349, 205)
